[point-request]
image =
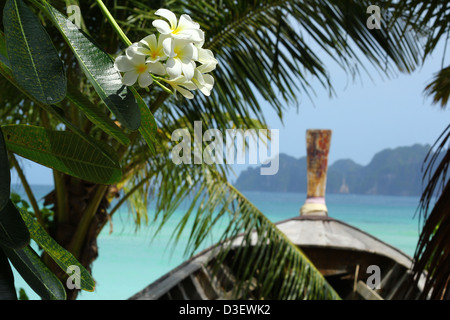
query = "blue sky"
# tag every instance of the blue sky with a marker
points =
(366, 116)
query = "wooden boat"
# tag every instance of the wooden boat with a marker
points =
(347, 257)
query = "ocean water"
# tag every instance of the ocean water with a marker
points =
(130, 259)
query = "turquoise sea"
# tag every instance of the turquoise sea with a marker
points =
(130, 259)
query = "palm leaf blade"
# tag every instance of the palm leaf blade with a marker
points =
(99, 69)
(63, 151)
(61, 256)
(5, 175)
(36, 273)
(13, 231)
(34, 60)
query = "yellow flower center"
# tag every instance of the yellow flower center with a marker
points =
(141, 68)
(176, 31)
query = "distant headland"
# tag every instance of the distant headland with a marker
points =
(390, 172)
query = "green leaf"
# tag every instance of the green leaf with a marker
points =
(7, 289)
(33, 58)
(60, 255)
(99, 69)
(38, 276)
(5, 175)
(148, 124)
(63, 151)
(3, 52)
(99, 146)
(96, 116)
(13, 231)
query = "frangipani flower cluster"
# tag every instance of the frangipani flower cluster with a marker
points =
(174, 56)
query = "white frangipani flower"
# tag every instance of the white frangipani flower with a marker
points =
(151, 48)
(207, 60)
(182, 85)
(181, 55)
(136, 68)
(175, 53)
(185, 28)
(204, 82)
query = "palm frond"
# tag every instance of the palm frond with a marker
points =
(433, 251)
(272, 51)
(439, 88)
(209, 210)
(429, 19)
(266, 263)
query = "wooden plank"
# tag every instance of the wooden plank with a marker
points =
(397, 287)
(366, 292)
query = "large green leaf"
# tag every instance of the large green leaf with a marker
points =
(95, 114)
(5, 175)
(99, 69)
(63, 151)
(37, 275)
(60, 255)
(7, 289)
(3, 52)
(33, 58)
(148, 124)
(99, 146)
(13, 231)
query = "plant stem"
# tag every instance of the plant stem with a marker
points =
(125, 39)
(61, 191)
(159, 101)
(113, 23)
(80, 234)
(28, 190)
(58, 180)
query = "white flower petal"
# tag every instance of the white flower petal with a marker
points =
(205, 68)
(123, 64)
(194, 52)
(209, 80)
(145, 79)
(186, 93)
(129, 78)
(138, 51)
(150, 42)
(177, 80)
(168, 47)
(173, 67)
(198, 36)
(199, 43)
(198, 78)
(205, 56)
(169, 15)
(157, 68)
(187, 23)
(186, 52)
(189, 85)
(205, 91)
(188, 70)
(162, 26)
(131, 50)
(138, 60)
